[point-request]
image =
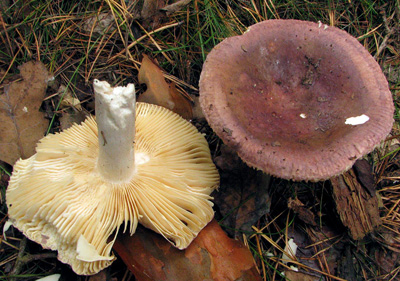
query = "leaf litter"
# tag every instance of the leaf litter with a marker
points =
(22, 123)
(72, 111)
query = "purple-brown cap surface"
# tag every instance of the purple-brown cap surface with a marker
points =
(298, 100)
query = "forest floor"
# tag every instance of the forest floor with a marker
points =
(79, 41)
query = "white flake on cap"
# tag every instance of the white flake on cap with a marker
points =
(358, 120)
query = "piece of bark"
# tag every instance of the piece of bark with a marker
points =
(363, 171)
(211, 256)
(358, 209)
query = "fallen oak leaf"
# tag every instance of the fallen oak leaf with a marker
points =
(21, 122)
(161, 93)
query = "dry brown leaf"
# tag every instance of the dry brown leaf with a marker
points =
(174, 7)
(71, 117)
(72, 111)
(151, 8)
(304, 213)
(99, 23)
(160, 92)
(242, 197)
(317, 244)
(68, 100)
(211, 256)
(299, 276)
(21, 122)
(152, 13)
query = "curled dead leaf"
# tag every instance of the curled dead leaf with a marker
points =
(68, 100)
(302, 211)
(160, 92)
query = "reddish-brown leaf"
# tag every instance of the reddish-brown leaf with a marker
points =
(211, 256)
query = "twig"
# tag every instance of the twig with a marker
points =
(24, 258)
(18, 264)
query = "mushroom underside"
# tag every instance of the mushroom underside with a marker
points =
(58, 199)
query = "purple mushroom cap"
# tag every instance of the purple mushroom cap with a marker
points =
(298, 100)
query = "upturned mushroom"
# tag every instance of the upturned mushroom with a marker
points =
(140, 164)
(298, 100)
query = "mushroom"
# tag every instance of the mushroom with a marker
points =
(85, 182)
(296, 99)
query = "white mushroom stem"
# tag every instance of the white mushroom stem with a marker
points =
(115, 116)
